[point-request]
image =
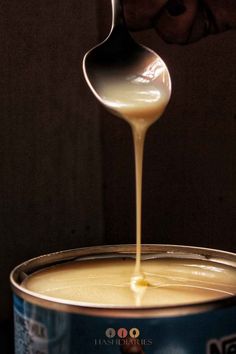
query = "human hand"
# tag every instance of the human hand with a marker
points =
(181, 21)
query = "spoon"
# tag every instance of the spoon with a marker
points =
(122, 74)
(134, 83)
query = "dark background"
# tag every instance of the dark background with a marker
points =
(67, 174)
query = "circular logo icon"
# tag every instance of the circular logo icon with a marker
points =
(134, 333)
(122, 332)
(110, 333)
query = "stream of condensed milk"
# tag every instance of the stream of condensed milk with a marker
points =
(140, 100)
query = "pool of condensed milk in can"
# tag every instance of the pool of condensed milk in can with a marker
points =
(80, 301)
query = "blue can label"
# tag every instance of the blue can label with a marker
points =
(42, 331)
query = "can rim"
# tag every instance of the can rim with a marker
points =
(37, 263)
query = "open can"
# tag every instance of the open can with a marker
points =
(55, 326)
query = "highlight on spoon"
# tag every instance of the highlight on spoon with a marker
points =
(128, 88)
(125, 76)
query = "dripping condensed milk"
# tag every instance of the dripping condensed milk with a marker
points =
(117, 299)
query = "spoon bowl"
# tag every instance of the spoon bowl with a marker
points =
(127, 77)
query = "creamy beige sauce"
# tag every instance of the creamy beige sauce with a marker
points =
(140, 99)
(107, 282)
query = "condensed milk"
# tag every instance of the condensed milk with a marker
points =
(100, 300)
(117, 299)
(106, 281)
(74, 302)
(140, 99)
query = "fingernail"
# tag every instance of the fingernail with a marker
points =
(175, 7)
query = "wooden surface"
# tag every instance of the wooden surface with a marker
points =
(50, 180)
(67, 174)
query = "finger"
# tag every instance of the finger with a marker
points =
(139, 14)
(223, 13)
(176, 20)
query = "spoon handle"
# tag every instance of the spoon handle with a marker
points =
(117, 13)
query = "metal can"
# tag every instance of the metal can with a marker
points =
(55, 326)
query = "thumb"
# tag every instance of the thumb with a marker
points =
(175, 21)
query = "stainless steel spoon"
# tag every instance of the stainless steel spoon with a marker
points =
(119, 58)
(134, 83)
